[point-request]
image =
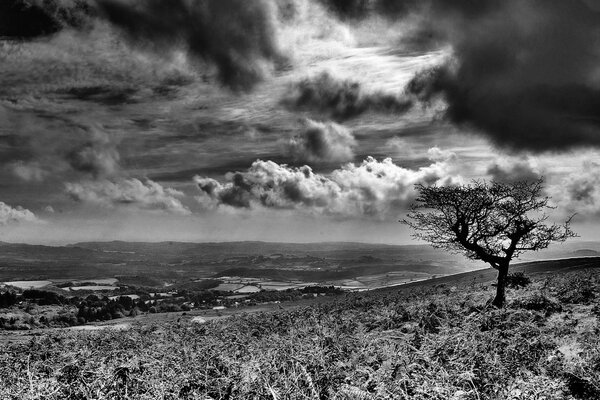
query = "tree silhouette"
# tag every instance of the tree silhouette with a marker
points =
(493, 222)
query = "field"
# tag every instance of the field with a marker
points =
(426, 340)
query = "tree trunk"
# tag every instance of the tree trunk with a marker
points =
(501, 286)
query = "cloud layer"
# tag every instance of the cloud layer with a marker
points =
(132, 192)
(376, 189)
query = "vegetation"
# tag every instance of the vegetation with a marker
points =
(75, 310)
(434, 342)
(8, 299)
(493, 222)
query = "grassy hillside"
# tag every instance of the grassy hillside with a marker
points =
(425, 341)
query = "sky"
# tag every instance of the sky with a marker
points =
(287, 120)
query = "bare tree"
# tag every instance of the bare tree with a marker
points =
(493, 222)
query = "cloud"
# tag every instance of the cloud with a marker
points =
(132, 192)
(359, 9)
(28, 171)
(237, 36)
(375, 189)
(341, 99)
(322, 142)
(10, 215)
(579, 192)
(437, 154)
(31, 18)
(524, 73)
(513, 170)
(98, 156)
(53, 147)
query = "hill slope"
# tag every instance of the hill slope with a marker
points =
(421, 341)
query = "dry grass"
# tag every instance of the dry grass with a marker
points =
(437, 343)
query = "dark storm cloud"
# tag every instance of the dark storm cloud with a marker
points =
(341, 99)
(525, 73)
(322, 142)
(238, 36)
(31, 18)
(357, 9)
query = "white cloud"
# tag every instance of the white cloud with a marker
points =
(10, 215)
(437, 154)
(146, 195)
(376, 189)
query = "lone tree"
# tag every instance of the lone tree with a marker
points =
(493, 222)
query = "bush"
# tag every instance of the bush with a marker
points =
(578, 290)
(8, 299)
(517, 280)
(538, 302)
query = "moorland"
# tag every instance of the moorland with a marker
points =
(435, 338)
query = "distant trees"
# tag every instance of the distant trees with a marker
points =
(493, 222)
(8, 299)
(44, 297)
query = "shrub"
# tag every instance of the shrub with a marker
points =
(538, 302)
(8, 299)
(517, 280)
(577, 289)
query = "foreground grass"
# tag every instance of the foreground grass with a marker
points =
(435, 343)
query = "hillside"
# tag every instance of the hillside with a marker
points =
(428, 340)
